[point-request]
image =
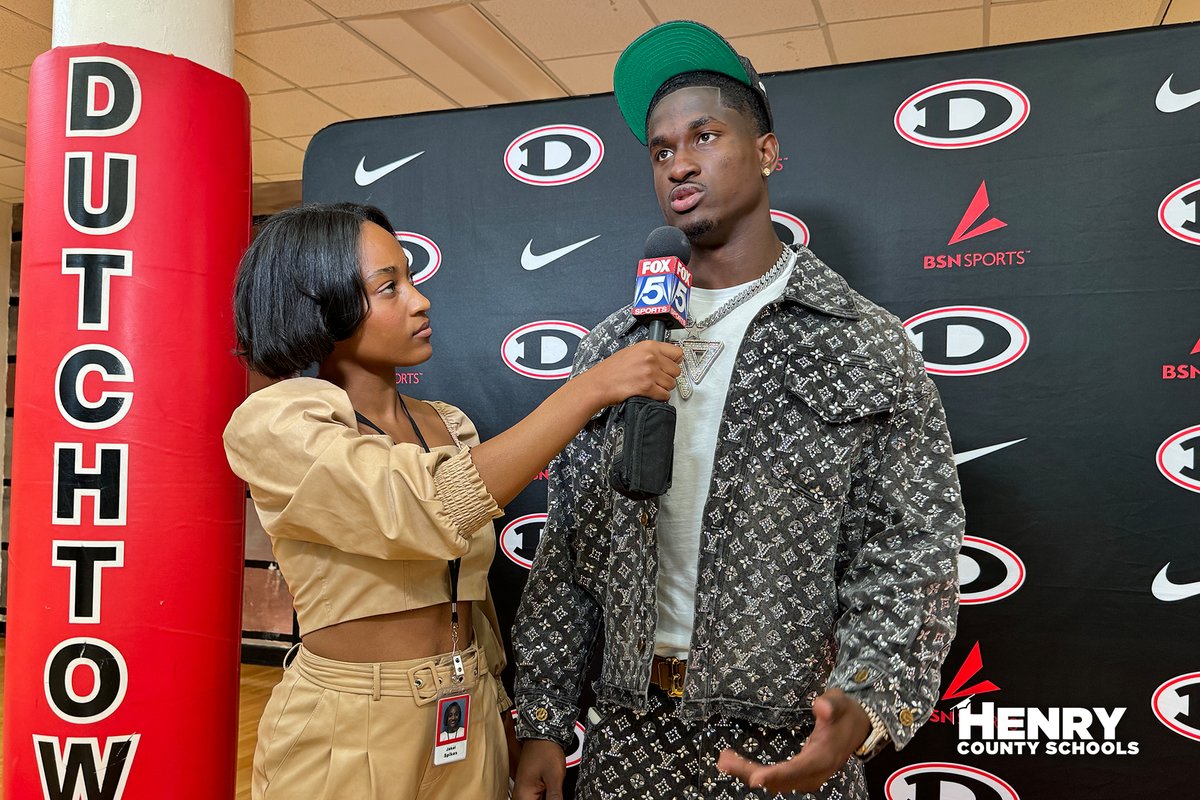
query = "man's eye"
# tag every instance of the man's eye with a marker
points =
(661, 155)
(707, 136)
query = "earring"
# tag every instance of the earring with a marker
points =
(766, 171)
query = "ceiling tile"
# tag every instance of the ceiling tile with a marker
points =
(40, 11)
(294, 113)
(299, 141)
(1051, 19)
(383, 98)
(272, 156)
(561, 30)
(461, 53)
(13, 176)
(764, 16)
(5, 161)
(359, 8)
(256, 134)
(585, 74)
(21, 72)
(255, 79)
(847, 10)
(258, 15)
(317, 55)
(904, 36)
(775, 52)
(11, 195)
(1183, 11)
(23, 40)
(14, 98)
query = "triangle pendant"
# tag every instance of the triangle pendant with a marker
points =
(699, 356)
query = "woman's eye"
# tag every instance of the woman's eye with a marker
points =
(388, 288)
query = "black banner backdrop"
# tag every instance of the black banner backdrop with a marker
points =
(1032, 213)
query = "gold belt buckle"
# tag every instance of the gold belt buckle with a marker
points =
(677, 670)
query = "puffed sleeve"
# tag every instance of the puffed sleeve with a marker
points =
(315, 478)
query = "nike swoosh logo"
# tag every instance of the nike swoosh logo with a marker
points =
(1169, 102)
(1168, 591)
(971, 455)
(365, 177)
(530, 261)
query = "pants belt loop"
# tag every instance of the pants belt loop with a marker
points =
(377, 691)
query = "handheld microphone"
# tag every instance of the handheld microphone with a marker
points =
(645, 452)
(660, 296)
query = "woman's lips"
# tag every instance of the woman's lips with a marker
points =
(424, 332)
(685, 198)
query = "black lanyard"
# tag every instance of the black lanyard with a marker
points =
(453, 565)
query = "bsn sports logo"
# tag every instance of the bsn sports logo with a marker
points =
(1177, 705)
(1177, 458)
(962, 113)
(424, 256)
(1182, 372)
(968, 228)
(967, 340)
(554, 155)
(520, 538)
(937, 781)
(543, 350)
(987, 571)
(789, 228)
(1178, 215)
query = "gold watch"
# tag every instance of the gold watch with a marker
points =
(876, 738)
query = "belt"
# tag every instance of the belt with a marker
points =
(667, 674)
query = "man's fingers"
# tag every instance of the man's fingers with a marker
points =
(732, 763)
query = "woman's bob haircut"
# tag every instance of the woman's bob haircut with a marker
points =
(299, 286)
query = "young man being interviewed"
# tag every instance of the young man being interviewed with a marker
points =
(783, 611)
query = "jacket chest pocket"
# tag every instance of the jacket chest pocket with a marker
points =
(829, 405)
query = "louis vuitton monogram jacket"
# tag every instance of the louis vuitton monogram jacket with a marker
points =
(829, 551)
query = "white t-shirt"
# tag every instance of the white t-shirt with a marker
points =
(698, 420)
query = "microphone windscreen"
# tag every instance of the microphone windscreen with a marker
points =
(668, 241)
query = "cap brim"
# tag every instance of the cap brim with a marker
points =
(660, 54)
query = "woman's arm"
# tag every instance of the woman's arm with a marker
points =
(509, 461)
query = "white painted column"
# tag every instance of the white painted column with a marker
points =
(198, 30)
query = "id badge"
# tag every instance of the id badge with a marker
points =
(450, 734)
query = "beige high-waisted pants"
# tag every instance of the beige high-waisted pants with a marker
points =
(334, 729)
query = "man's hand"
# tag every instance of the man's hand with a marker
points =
(841, 726)
(540, 774)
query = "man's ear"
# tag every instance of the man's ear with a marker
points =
(768, 151)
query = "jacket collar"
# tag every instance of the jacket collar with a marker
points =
(812, 284)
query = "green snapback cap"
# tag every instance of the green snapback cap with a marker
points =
(671, 49)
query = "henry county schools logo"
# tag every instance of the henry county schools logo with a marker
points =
(519, 539)
(554, 155)
(967, 340)
(543, 350)
(789, 228)
(1177, 458)
(940, 781)
(1178, 213)
(1177, 705)
(424, 256)
(987, 571)
(962, 113)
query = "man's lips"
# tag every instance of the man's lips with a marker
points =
(685, 197)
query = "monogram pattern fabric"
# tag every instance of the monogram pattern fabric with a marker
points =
(828, 556)
(655, 755)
